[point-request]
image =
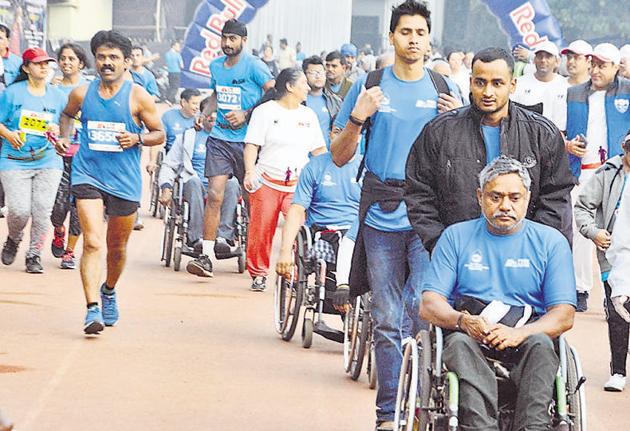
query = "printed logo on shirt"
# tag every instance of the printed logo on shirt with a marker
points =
(385, 105)
(328, 181)
(622, 105)
(303, 124)
(529, 162)
(517, 263)
(476, 262)
(427, 104)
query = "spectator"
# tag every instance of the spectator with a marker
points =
(137, 66)
(299, 55)
(10, 62)
(174, 65)
(268, 59)
(349, 53)
(286, 55)
(459, 74)
(336, 80)
(268, 42)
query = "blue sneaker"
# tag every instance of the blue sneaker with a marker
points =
(110, 308)
(93, 321)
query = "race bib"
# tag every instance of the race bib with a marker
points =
(35, 123)
(229, 98)
(102, 135)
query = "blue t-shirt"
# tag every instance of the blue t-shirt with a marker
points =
(173, 61)
(150, 84)
(100, 161)
(407, 107)
(199, 155)
(330, 194)
(492, 139)
(318, 104)
(175, 124)
(531, 267)
(237, 88)
(20, 110)
(12, 65)
(67, 89)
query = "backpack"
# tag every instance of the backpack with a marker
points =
(374, 79)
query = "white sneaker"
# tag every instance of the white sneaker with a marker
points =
(3, 211)
(616, 383)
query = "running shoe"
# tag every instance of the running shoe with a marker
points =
(138, 225)
(385, 426)
(110, 308)
(34, 265)
(58, 246)
(201, 267)
(9, 251)
(3, 212)
(225, 249)
(259, 284)
(616, 383)
(582, 302)
(67, 261)
(93, 321)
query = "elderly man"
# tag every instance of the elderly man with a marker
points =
(503, 287)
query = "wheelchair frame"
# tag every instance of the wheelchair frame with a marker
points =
(156, 209)
(422, 407)
(358, 341)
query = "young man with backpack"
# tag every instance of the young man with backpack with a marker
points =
(393, 104)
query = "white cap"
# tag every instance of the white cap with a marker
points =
(579, 47)
(547, 46)
(625, 51)
(607, 52)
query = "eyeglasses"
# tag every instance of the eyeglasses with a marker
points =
(316, 74)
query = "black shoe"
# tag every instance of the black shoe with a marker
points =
(9, 251)
(259, 284)
(201, 267)
(226, 249)
(33, 265)
(582, 302)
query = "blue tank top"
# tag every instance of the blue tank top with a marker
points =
(100, 162)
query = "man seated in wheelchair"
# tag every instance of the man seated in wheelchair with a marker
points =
(502, 287)
(329, 197)
(187, 159)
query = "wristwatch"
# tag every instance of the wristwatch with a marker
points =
(458, 325)
(140, 140)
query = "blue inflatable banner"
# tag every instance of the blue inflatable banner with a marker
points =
(202, 42)
(526, 23)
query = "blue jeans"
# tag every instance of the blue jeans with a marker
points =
(395, 304)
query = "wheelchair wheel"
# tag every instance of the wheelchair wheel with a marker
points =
(241, 261)
(167, 243)
(576, 396)
(425, 347)
(360, 341)
(349, 334)
(405, 413)
(307, 333)
(155, 193)
(371, 367)
(177, 258)
(288, 300)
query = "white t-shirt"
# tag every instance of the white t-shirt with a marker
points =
(597, 130)
(286, 58)
(285, 137)
(462, 79)
(552, 94)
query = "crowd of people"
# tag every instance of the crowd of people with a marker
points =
(491, 178)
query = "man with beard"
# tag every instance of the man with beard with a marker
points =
(325, 103)
(503, 288)
(388, 255)
(106, 169)
(452, 150)
(238, 82)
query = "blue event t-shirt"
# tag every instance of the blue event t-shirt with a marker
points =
(407, 107)
(318, 104)
(329, 193)
(238, 88)
(20, 110)
(199, 155)
(150, 84)
(533, 266)
(492, 139)
(175, 124)
(12, 64)
(173, 61)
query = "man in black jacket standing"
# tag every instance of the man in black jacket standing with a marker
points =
(446, 159)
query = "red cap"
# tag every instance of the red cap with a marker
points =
(36, 55)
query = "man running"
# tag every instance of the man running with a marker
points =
(137, 66)
(106, 169)
(238, 80)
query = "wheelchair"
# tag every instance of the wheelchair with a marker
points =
(358, 340)
(156, 209)
(306, 287)
(241, 223)
(428, 394)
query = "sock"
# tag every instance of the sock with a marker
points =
(92, 304)
(106, 290)
(207, 248)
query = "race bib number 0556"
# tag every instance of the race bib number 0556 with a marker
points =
(228, 98)
(102, 135)
(34, 123)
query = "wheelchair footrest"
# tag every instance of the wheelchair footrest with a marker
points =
(327, 332)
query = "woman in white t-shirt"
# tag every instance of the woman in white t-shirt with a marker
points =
(281, 134)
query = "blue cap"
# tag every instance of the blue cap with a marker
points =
(348, 50)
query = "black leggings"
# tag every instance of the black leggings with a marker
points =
(64, 202)
(618, 330)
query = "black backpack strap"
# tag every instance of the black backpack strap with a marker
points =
(439, 82)
(373, 80)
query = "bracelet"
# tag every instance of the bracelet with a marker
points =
(458, 325)
(140, 140)
(356, 121)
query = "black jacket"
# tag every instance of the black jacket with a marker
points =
(443, 167)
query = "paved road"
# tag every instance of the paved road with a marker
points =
(192, 354)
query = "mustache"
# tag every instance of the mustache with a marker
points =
(104, 68)
(498, 214)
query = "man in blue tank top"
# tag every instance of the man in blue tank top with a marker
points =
(106, 169)
(238, 81)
